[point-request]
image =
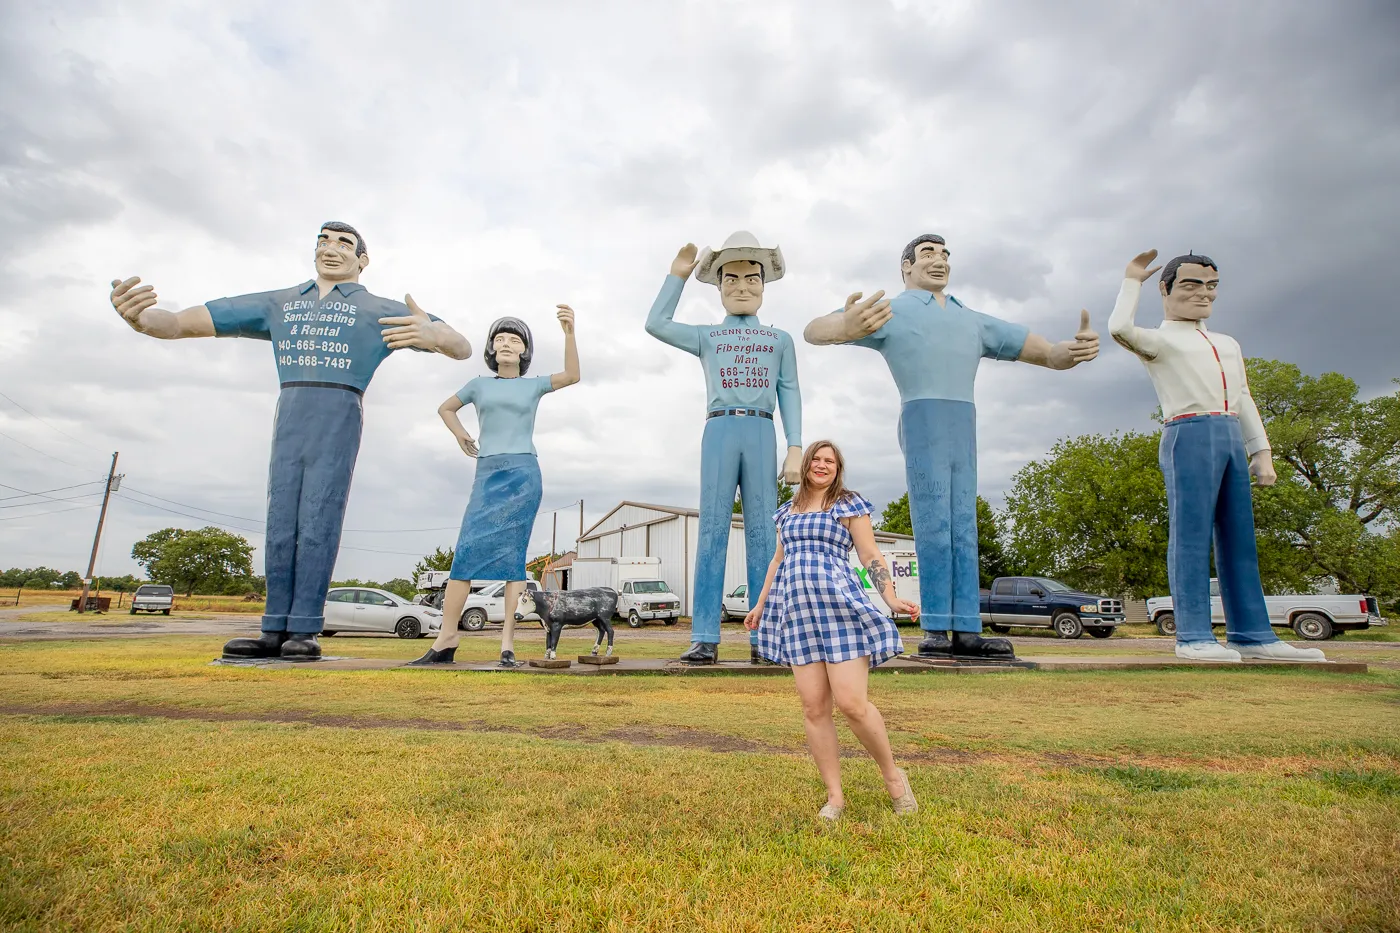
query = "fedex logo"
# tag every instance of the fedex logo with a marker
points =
(898, 569)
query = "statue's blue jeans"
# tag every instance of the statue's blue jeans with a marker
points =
(939, 440)
(315, 441)
(1206, 469)
(736, 451)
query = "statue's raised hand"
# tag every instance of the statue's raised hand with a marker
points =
(864, 318)
(685, 261)
(1139, 268)
(130, 301)
(414, 330)
(566, 318)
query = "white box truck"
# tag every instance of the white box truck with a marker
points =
(641, 593)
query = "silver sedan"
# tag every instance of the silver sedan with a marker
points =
(360, 609)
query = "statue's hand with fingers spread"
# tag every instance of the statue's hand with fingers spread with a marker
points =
(863, 318)
(413, 330)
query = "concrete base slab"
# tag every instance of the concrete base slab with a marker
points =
(597, 659)
(597, 667)
(551, 664)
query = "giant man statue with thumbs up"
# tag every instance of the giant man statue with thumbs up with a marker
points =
(329, 335)
(933, 344)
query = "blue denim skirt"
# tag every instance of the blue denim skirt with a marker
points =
(500, 516)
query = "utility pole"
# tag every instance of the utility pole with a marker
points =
(114, 483)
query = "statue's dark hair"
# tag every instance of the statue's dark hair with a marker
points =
(1169, 270)
(339, 227)
(908, 254)
(762, 270)
(510, 325)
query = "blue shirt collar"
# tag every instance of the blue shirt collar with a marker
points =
(926, 296)
(346, 289)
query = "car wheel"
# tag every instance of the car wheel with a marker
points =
(1166, 624)
(166, 611)
(671, 620)
(408, 628)
(1313, 627)
(133, 612)
(1100, 631)
(634, 620)
(474, 620)
(1000, 629)
(724, 615)
(1067, 625)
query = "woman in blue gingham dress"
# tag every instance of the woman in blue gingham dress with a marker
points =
(813, 614)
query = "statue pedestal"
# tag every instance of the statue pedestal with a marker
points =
(550, 663)
(597, 659)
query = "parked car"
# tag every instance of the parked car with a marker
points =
(640, 600)
(360, 609)
(1040, 602)
(1314, 618)
(488, 604)
(152, 597)
(736, 604)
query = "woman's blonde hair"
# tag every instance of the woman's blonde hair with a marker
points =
(834, 492)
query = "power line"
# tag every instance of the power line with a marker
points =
(41, 420)
(48, 499)
(16, 518)
(200, 518)
(151, 495)
(42, 453)
(43, 492)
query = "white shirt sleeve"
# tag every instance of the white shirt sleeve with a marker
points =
(1143, 341)
(1251, 425)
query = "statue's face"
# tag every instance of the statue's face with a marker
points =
(741, 287)
(1192, 295)
(929, 270)
(509, 348)
(335, 256)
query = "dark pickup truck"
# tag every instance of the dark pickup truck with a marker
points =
(1040, 602)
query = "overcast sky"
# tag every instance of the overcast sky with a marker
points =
(502, 158)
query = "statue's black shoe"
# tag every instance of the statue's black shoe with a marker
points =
(266, 645)
(508, 659)
(301, 646)
(701, 652)
(935, 645)
(970, 645)
(445, 656)
(756, 658)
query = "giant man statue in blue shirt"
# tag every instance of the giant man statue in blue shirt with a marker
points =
(933, 344)
(329, 335)
(750, 370)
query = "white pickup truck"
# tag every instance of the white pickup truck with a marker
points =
(1314, 618)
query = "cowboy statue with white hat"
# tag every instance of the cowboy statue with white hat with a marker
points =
(750, 371)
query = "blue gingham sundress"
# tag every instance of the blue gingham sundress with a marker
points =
(817, 609)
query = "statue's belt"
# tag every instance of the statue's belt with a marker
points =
(751, 412)
(326, 385)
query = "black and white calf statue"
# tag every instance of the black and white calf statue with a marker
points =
(557, 609)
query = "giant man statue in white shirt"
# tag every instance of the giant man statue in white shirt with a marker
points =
(1213, 441)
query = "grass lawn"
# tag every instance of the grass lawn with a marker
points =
(143, 789)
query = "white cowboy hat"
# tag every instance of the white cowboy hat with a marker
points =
(741, 245)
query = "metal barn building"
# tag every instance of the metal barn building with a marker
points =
(671, 533)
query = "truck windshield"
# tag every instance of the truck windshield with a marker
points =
(1053, 586)
(155, 591)
(651, 586)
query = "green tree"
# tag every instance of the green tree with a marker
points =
(205, 559)
(1093, 513)
(440, 559)
(992, 559)
(124, 584)
(400, 587)
(1333, 513)
(72, 580)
